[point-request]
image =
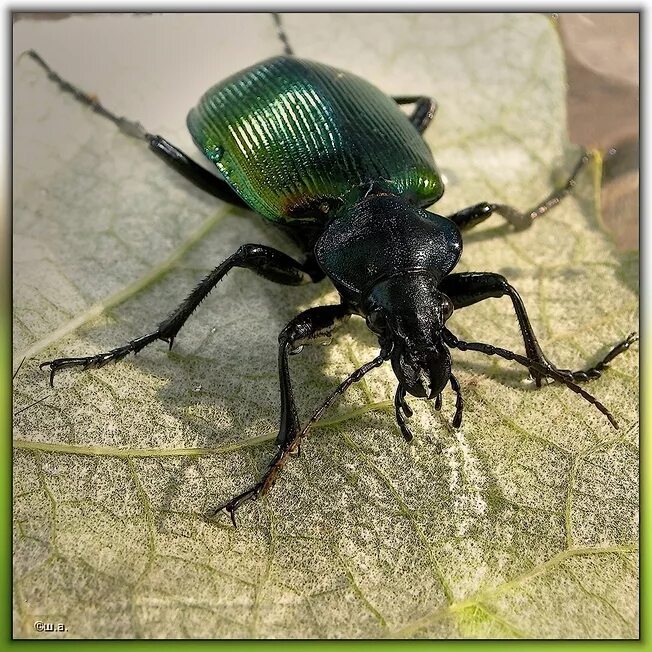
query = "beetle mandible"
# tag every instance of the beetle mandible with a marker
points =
(336, 164)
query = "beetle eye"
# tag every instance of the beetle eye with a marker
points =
(376, 321)
(446, 307)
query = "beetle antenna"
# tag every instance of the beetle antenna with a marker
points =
(287, 48)
(535, 365)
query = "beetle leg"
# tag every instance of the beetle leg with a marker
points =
(469, 217)
(284, 452)
(597, 369)
(280, 30)
(267, 262)
(171, 155)
(424, 111)
(312, 326)
(198, 175)
(466, 288)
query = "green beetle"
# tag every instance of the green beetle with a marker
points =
(339, 166)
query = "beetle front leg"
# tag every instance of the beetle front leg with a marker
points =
(265, 261)
(313, 326)
(469, 217)
(467, 288)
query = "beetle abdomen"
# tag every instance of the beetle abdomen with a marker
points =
(293, 137)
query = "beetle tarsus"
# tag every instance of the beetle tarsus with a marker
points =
(584, 375)
(128, 127)
(100, 359)
(232, 506)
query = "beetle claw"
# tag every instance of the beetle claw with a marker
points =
(231, 513)
(231, 506)
(169, 340)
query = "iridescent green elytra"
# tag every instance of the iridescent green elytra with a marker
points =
(293, 138)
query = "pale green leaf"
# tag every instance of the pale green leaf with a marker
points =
(521, 523)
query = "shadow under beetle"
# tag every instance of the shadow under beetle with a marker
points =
(345, 172)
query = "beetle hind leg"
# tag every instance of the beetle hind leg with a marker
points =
(424, 111)
(165, 150)
(282, 35)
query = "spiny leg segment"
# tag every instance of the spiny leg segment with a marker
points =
(267, 262)
(165, 150)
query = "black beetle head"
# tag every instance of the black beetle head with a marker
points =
(408, 314)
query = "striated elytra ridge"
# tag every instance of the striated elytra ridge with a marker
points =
(293, 138)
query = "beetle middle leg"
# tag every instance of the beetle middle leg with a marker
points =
(469, 217)
(313, 326)
(466, 288)
(267, 262)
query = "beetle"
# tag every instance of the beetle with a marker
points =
(335, 163)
